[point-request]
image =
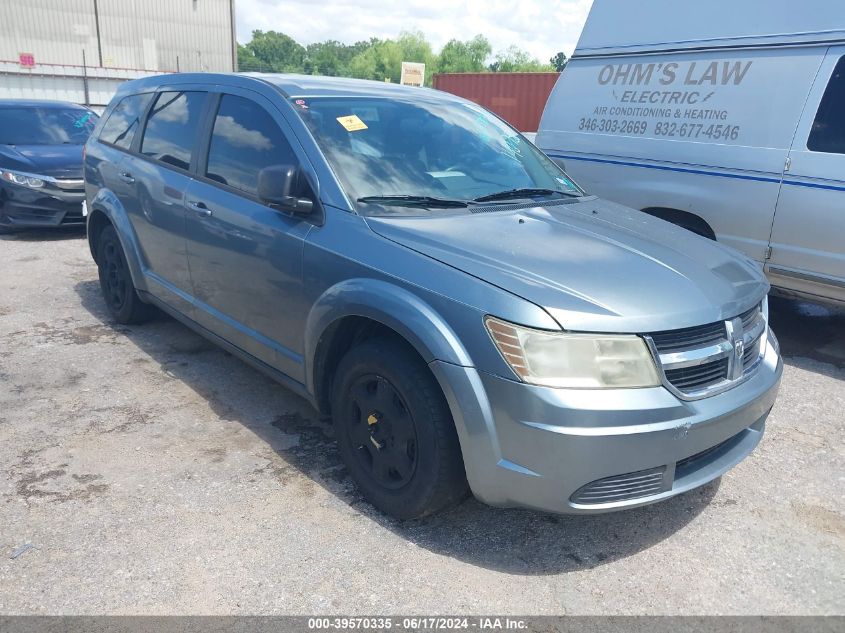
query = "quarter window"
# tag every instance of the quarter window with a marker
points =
(119, 129)
(828, 133)
(171, 132)
(245, 140)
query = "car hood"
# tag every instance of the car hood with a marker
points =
(592, 264)
(58, 161)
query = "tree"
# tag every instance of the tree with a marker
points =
(464, 57)
(331, 58)
(272, 51)
(558, 61)
(246, 59)
(381, 60)
(515, 60)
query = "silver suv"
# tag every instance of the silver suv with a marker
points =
(468, 316)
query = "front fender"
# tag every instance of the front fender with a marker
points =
(107, 203)
(397, 308)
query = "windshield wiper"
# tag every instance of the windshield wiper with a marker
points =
(414, 201)
(520, 193)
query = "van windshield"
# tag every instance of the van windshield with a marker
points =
(426, 152)
(45, 126)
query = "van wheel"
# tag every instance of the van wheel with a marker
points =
(122, 300)
(395, 432)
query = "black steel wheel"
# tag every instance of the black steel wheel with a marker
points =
(395, 431)
(381, 431)
(122, 300)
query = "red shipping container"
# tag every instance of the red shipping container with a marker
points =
(519, 98)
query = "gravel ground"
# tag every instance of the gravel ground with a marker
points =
(153, 473)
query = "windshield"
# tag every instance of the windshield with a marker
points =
(426, 148)
(45, 126)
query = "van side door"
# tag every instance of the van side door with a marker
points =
(245, 256)
(808, 233)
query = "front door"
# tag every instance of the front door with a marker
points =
(808, 234)
(245, 257)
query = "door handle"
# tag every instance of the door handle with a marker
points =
(199, 208)
(126, 177)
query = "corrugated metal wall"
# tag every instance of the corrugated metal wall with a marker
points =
(64, 83)
(519, 98)
(152, 35)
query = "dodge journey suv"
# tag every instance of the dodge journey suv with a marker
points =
(469, 317)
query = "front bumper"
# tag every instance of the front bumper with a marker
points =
(584, 451)
(22, 207)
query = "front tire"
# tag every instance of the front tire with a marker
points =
(395, 432)
(122, 299)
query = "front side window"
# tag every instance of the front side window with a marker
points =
(171, 131)
(119, 129)
(425, 147)
(244, 141)
(828, 133)
(45, 126)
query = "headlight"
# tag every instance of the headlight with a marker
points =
(25, 180)
(574, 361)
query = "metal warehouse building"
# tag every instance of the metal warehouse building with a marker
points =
(80, 50)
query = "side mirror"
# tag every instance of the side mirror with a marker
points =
(278, 186)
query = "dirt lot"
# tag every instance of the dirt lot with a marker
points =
(153, 473)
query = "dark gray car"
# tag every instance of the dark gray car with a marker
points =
(468, 316)
(41, 163)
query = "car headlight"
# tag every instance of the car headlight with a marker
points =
(18, 178)
(574, 361)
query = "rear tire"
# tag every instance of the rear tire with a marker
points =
(395, 432)
(119, 292)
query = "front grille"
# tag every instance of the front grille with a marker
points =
(749, 316)
(702, 458)
(643, 483)
(689, 338)
(702, 359)
(73, 217)
(751, 354)
(653, 481)
(699, 376)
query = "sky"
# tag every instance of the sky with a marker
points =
(542, 27)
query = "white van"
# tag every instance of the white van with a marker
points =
(726, 117)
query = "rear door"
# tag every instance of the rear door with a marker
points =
(156, 175)
(245, 257)
(808, 233)
(116, 140)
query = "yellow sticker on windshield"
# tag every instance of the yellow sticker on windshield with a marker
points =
(352, 123)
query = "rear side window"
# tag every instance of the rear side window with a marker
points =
(119, 129)
(828, 133)
(171, 132)
(245, 140)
